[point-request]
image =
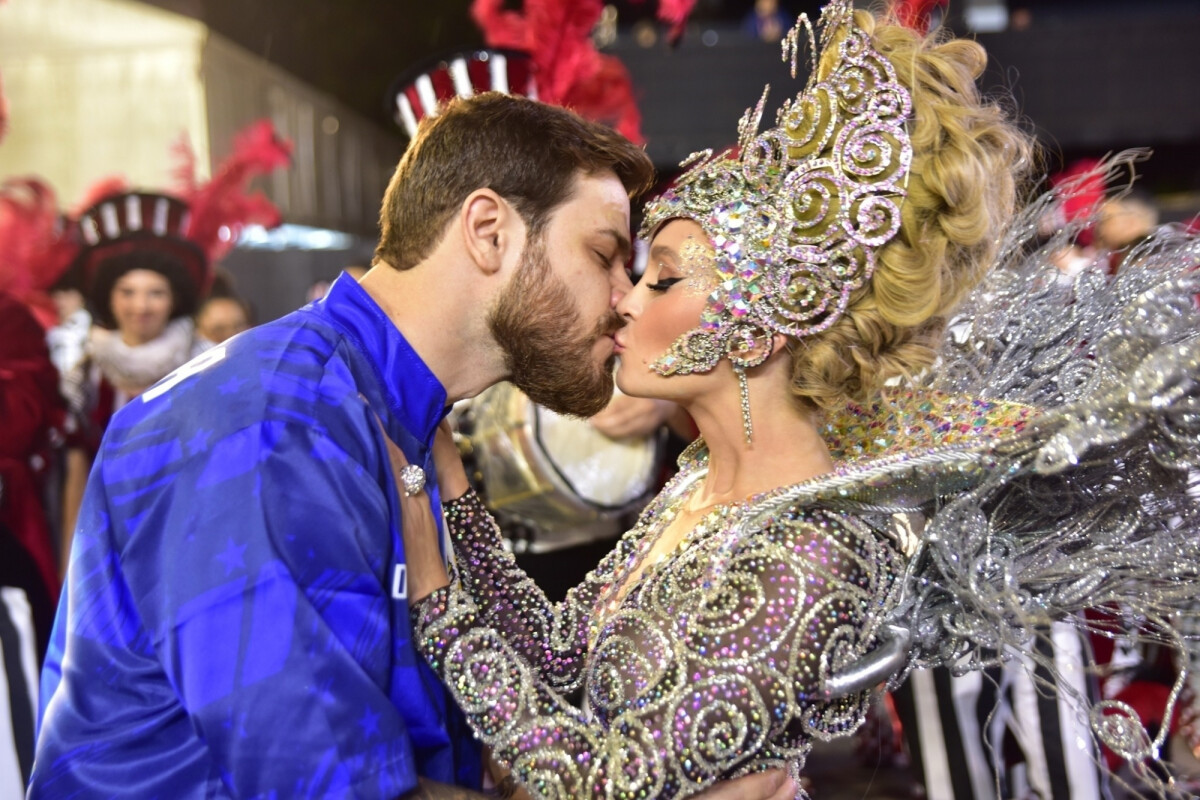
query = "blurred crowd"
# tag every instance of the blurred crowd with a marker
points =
(122, 317)
(96, 305)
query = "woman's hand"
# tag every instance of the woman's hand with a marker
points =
(422, 553)
(504, 785)
(626, 416)
(452, 478)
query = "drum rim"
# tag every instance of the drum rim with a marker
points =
(658, 441)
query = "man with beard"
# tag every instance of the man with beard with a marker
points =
(237, 621)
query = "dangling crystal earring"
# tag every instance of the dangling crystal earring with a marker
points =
(744, 390)
(749, 346)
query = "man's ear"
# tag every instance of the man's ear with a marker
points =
(486, 220)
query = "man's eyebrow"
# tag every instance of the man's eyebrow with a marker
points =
(624, 247)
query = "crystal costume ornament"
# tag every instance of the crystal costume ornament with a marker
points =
(1085, 504)
(798, 214)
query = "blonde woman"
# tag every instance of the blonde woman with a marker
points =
(771, 584)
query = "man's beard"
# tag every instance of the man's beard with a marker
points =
(530, 321)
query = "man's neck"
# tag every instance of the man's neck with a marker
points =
(443, 325)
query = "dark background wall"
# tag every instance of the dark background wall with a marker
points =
(1086, 83)
(1089, 76)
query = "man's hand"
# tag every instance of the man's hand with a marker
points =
(773, 784)
(422, 548)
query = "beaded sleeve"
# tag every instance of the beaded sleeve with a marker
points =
(551, 637)
(696, 676)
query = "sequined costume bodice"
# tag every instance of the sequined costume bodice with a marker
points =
(707, 664)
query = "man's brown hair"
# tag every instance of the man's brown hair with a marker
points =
(527, 152)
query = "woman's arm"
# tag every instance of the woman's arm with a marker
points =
(692, 684)
(551, 637)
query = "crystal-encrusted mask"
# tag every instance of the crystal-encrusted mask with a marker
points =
(798, 213)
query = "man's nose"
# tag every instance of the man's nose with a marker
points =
(627, 305)
(622, 286)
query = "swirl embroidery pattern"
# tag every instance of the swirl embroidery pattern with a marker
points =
(710, 665)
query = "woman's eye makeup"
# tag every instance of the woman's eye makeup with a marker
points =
(693, 265)
(662, 284)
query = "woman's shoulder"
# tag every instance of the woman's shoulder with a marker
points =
(911, 421)
(901, 451)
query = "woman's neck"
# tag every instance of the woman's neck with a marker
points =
(786, 446)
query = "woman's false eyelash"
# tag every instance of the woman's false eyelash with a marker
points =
(663, 285)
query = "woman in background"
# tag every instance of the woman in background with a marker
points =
(142, 282)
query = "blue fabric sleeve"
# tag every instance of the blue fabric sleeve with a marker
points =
(252, 598)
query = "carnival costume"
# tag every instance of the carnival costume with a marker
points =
(180, 235)
(1040, 468)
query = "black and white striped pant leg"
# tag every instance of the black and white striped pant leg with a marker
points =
(960, 729)
(18, 691)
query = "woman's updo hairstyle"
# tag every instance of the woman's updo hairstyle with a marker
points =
(970, 162)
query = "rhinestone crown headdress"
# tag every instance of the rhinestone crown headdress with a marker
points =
(797, 215)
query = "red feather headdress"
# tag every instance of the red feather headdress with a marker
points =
(568, 69)
(36, 244)
(3, 112)
(916, 14)
(544, 51)
(221, 208)
(3, 106)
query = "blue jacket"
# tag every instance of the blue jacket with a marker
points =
(235, 622)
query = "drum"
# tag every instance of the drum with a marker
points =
(555, 474)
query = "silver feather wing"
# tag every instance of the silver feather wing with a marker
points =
(1088, 504)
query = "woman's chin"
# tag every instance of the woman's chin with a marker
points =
(629, 385)
(622, 378)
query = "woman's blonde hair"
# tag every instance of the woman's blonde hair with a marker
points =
(969, 166)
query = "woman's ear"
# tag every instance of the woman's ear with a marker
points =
(778, 342)
(484, 220)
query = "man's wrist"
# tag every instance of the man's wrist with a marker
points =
(453, 487)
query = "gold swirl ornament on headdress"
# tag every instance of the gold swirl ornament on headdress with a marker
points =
(797, 214)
